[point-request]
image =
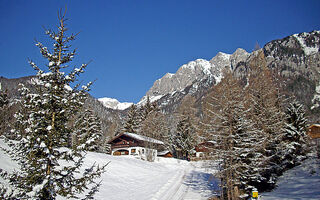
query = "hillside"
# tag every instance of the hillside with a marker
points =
(135, 179)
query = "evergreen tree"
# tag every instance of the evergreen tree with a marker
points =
(3, 97)
(89, 133)
(132, 123)
(185, 138)
(48, 169)
(294, 141)
(3, 110)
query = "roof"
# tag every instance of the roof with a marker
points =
(317, 125)
(162, 153)
(138, 137)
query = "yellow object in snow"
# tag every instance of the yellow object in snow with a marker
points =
(255, 194)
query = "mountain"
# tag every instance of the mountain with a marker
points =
(296, 58)
(114, 103)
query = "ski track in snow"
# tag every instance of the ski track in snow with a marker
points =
(188, 184)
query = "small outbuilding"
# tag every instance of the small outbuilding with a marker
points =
(166, 154)
(314, 131)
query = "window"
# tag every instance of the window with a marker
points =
(133, 151)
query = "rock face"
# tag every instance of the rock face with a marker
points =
(197, 71)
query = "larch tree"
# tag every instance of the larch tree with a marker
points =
(237, 140)
(47, 169)
(265, 104)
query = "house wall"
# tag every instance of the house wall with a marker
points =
(314, 131)
(136, 151)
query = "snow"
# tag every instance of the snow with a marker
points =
(130, 178)
(204, 64)
(151, 98)
(224, 56)
(301, 182)
(67, 87)
(316, 97)
(307, 50)
(114, 103)
(168, 75)
(143, 138)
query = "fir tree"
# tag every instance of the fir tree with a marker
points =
(47, 168)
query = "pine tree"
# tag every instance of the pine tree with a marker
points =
(47, 168)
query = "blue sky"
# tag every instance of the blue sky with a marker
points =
(132, 43)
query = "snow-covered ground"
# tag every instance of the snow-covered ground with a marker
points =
(130, 178)
(171, 179)
(301, 182)
(164, 179)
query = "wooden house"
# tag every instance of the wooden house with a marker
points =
(166, 154)
(135, 145)
(314, 131)
(204, 149)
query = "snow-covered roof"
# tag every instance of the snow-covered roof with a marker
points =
(139, 137)
(143, 138)
(162, 153)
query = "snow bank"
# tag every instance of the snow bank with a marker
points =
(301, 182)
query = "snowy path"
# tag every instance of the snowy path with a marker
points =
(190, 183)
(173, 189)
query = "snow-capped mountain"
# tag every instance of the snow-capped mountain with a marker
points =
(194, 73)
(295, 57)
(114, 103)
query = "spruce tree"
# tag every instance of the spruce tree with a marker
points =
(3, 97)
(185, 138)
(132, 122)
(47, 168)
(294, 141)
(89, 133)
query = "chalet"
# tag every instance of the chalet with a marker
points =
(135, 145)
(314, 131)
(204, 149)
